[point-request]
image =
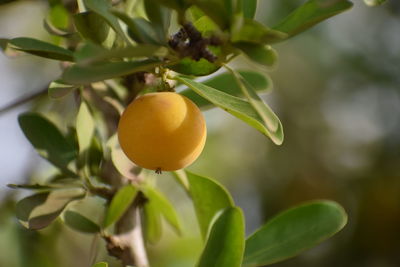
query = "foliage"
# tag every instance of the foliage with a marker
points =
(111, 53)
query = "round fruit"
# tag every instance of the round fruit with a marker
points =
(162, 131)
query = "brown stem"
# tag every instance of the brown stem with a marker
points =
(22, 100)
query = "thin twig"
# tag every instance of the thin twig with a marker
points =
(22, 100)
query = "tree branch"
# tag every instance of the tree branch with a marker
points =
(128, 243)
(22, 100)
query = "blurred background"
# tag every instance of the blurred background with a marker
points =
(337, 93)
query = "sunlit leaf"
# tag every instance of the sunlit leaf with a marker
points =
(152, 219)
(374, 2)
(101, 264)
(162, 204)
(57, 89)
(42, 49)
(271, 121)
(254, 32)
(225, 82)
(77, 74)
(39, 210)
(80, 223)
(84, 127)
(293, 231)
(311, 13)
(209, 197)
(261, 54)
(238, 107)
(48, 140)
(225, 244)
(120, 204)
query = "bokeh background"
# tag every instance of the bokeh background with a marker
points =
(337, 93)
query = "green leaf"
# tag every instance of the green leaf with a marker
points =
(226, 83)
(189, 66)
(58, 16)
(41, 49)
(209, 197)
(254, 32)
(153, 226)
(39, 210)
(160, 17)
(119, 204)
(48, 140)
(220, 11)
(238, 107)
(225, 244)
(162, 204)
(84, 127)
(93, 27)
(101, 264)
(293, 231)
(57, 89)
(77, 74)
(102, 8)
(179, 5)
(94, 156)
(374, 2)
(311, 13)
(35, 187)
(90, 54)
(249, 8)
(80, 223)
(271, 121)
(140, 30)
(261, 54)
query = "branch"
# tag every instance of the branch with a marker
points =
(128, 244)
(22, 100)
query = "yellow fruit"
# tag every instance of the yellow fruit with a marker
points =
(162, 131)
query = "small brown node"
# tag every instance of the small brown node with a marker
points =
(158, 171)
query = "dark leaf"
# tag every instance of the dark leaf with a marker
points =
(77, 74)
(160, 17)
(92, 27)
(249, 8)
(42, 49)
(48, 140)
(39, 210)
(80, 223)
(140, 30)
(102, 8)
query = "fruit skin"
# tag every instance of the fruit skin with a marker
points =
(162, 131)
